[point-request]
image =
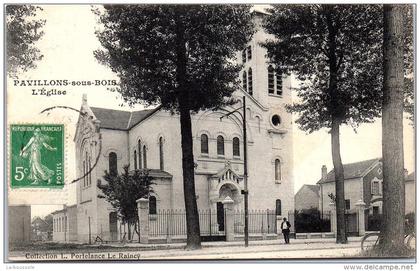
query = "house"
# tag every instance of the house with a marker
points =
(362, 181)
(307, 197)
(107, 139)
(41, 229)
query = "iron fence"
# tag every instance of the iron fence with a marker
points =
(174, 223)
(259, 221)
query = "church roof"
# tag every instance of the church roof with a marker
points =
(120, 119)
(353, 170)
(157, 173)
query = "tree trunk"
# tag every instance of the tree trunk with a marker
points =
(337, 112)
(339, 182)
(392, 231)
(193, 226)
(193, 223)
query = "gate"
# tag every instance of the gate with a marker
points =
(352, 224)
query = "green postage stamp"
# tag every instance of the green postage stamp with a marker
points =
(37, 155)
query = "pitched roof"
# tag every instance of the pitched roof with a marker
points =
(120, 119)
(313, 187)
(37, 218)
(353, 170)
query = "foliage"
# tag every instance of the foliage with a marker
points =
(23, 30)
(310, 220)
(122, 191)
(49, 220)
(139, 45)
(409, 62)
(303, 47)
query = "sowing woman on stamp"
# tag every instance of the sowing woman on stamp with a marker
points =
(32, 151)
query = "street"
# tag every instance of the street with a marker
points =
(272, 250)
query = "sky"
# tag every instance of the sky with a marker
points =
(68, 46)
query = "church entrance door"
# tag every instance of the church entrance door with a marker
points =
(220, 216)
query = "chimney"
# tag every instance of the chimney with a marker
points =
(84, 99)
(324, 172)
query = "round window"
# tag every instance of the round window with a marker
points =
(275, 120)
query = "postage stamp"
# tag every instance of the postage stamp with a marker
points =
(37, 155)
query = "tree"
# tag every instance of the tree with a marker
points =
(122, 191)
(392, 231)
(49, 220)
(23, 31)
(335, 51)
(179, 56)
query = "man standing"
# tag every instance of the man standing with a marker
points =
(285, 228)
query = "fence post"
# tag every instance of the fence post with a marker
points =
(143, 212)
(360, 205)
(333, 218)
(279, 219)
(229, 219)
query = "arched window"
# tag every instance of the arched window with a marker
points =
(220, 145)
(84, 173)
(144, 157)
(258, 123)
(87, 169)
(278, 207)
(279, 83)
(152, 205)
(235, 145)
(113, 167)
(249, 52)
(139, 154)
(277, 170)
(250, 81)
(204, 144)
(243, 56)
(270, 72)
(161, 153)
(135, 159)
(90, 171)
(244, 83)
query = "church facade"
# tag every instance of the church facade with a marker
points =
(109, 139)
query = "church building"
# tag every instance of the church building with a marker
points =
(108, 139)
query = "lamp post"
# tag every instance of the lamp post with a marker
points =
(245, 190)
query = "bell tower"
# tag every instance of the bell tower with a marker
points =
(272, 147)
(261, 81)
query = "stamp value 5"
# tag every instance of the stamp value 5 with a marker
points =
(37, 155)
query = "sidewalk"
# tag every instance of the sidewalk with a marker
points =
(257, 250)
(240, 244)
